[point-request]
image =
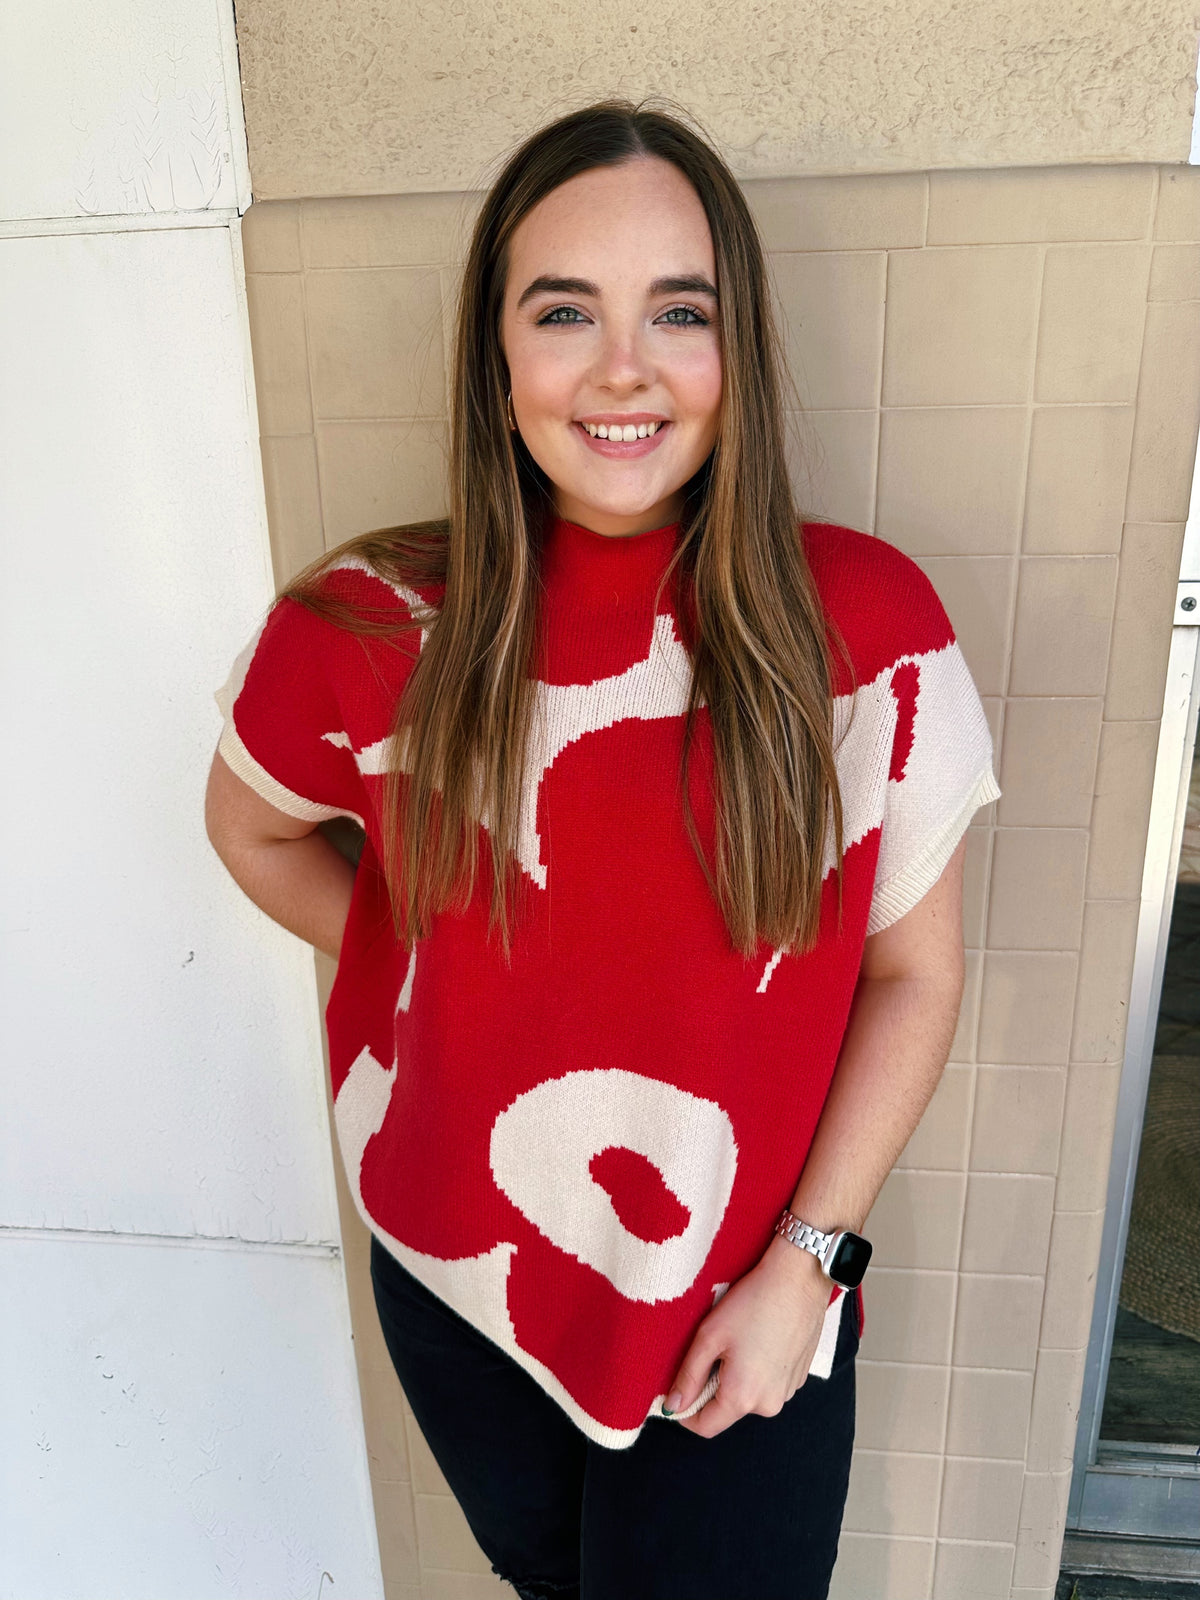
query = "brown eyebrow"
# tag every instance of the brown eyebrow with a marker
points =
(687, 283)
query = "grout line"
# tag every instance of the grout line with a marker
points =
(424, 416)
(200, 1241)
(121, 222)
(873, 496)
(1030, 402)
(312, 399)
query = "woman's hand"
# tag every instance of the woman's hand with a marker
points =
(764, 1330)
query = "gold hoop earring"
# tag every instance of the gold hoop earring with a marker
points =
(512, 421)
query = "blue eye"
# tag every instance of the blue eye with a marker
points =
(552, 319)
(699, 320)
(674, 316)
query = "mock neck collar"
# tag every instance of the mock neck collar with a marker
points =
(576, 558)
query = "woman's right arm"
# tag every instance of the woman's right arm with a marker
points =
(285, 865)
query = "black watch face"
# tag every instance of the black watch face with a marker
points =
(850, 1259)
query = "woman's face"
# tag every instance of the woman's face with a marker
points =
(610, 320)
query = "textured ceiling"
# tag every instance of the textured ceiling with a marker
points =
(378, 96)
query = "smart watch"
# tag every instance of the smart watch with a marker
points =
(843, 1255)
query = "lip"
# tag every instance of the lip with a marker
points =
(622, 417)
(618, 450)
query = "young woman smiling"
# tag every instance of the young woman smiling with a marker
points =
(653, 954)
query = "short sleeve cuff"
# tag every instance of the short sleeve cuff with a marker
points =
(899, 894)
(239, 760)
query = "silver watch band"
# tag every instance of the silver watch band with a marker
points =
(804, 1235)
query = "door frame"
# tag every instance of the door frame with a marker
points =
(1131, 1489)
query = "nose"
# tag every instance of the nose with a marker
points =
(623, 362)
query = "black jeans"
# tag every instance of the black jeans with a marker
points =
(751, 1514)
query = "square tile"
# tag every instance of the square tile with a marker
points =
(427, 1475)
(388, 230)
(961, 326)
(940, 1138)
(980, 1500)
(1063, 622)
(1164, 433)
(989, 1413)
(893, 1492)
(1081, 511)
(996, 1325)
(271, 236)
(831, 465)
(1048, 762)
(830, 307)
(445, 1536)
(383, 1425)
(868, 211)
(1043, 1522)
(293, 504)
(881, 1567)
(915, 1221)
(1071, 1279)
(900, 1406)
(1035, 898)
(1017, 1120)
(275, 303)
(1012, 204)
(1092, 313)
(1105, 977)
(1175, 272)
(1089, 1117)
(375, 342)
(1026, 1007)
(1121, 809)
(982, 1571)
(1145, 606)
(1007, 1224)
(978, 593)
(1177, 215)
(951, 479)
(909, 1315)
(1057, 1387)
(380, 474)
(396, 1527)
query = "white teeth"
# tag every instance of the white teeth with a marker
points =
(626, 433)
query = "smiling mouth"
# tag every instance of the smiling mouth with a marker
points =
(622, 442)
(626, 433)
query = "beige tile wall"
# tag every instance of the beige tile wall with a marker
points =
(1000, 373)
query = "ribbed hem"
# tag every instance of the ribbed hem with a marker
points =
(239, 760)
(899, 894)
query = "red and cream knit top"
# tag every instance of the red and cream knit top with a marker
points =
(582, 1150)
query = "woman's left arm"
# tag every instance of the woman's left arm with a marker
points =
(765, 1328)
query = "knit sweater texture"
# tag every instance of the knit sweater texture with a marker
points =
(582, 1150)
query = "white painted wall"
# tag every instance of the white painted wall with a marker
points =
(180, 1412)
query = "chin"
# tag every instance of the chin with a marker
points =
(625, 504)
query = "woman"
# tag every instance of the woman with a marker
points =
(634, 883)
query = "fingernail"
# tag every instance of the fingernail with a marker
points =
(672, 1403)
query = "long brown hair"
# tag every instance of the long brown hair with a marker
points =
(760, 641)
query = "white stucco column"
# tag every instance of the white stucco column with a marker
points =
(180, 1411)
